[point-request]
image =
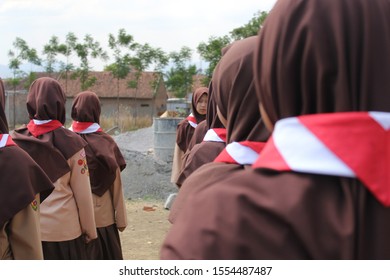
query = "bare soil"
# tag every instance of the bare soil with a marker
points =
(146, 230)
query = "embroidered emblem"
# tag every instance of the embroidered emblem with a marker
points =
(34, 205)
(83, 165)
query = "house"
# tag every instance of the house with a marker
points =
(148, 99)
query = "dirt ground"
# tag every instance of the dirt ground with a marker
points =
(146, 230)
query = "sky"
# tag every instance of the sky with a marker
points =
(166, 24)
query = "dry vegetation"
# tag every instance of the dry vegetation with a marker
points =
(125, 122)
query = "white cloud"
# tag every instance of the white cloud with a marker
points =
(169, 24)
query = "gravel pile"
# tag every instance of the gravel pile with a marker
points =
(144, 176)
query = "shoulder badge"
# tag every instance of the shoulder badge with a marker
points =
(34, 205)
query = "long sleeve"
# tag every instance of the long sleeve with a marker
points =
(119, 202)
(176, 163)
(80, 185)
(24, 234)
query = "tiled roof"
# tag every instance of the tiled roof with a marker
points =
(107, 86)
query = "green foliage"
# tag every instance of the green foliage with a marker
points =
(211, 51)
(178, 79)
(121, 45)
(21, 52)
(129, 56)
(251, 28)
(51, 50)
(132, 84)
(14, 82)
(30, 79)
(86, 50)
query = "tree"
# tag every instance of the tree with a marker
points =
(145, 57)
(211, 51)
(133, 57)
(67, 50)
(86, 50)
(22, 52)
(251, 28)
(121, 45)
(179, 77)
(51, 50)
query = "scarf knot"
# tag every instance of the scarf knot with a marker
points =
(39, 127)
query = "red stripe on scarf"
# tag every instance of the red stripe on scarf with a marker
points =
(359, 140)
(226, 157)
(9, 142)
(39, 129)
(192, 119)
(81, 126)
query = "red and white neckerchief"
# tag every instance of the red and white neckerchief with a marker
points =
(6, 140)
(39, 127)
(352, 144)
(85, 127)
(242, 153)
(215, 135)
(192, 120)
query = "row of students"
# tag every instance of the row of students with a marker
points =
(23, 186)
(236, 101)
(208, 141)
(186, 129)
(318, 189)
(80, 204)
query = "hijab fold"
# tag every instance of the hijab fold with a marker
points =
(21, 178)
(53, 145)
(103, 155)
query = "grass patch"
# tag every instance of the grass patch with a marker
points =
(125, 122)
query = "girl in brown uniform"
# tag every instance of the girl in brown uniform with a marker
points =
(185, 129)
(213, 142)
(320, 188)
(105, 163)
(67, 217)
(235, 96)
(23, 185)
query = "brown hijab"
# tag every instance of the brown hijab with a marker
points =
(324, 61)
(103, 155)
(21, 178)
(212, 117)
(211, 121)
(184, 130)
(3, 119)
(313, 56)
(204, 152)
(46, 101)
(235, 95)
(198, 93)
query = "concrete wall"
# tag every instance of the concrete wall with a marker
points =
(16, 100)
(131, 107)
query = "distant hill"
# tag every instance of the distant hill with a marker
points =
(5, 72)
